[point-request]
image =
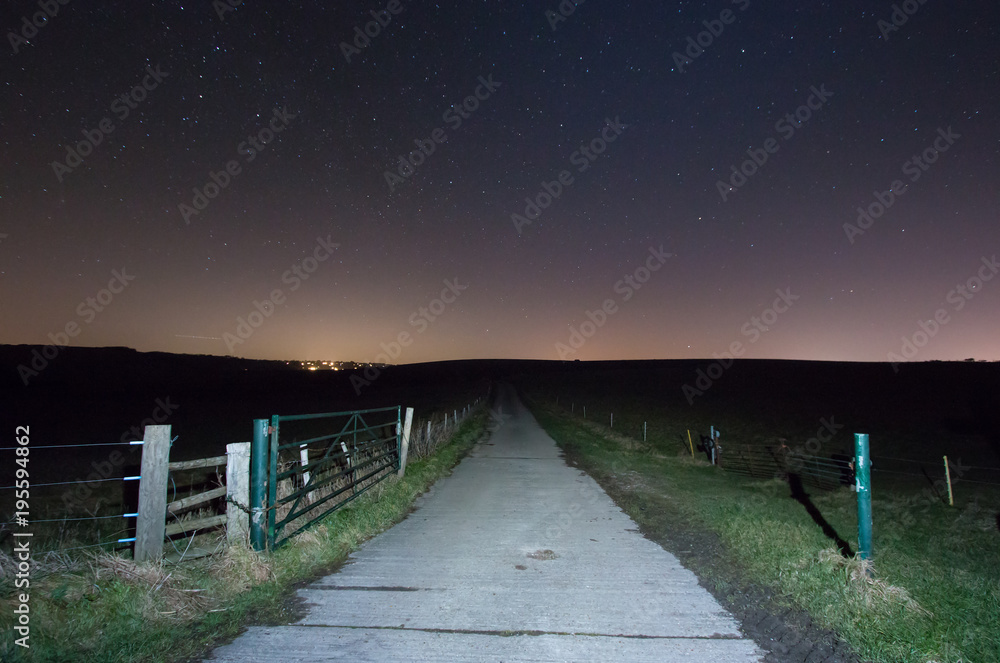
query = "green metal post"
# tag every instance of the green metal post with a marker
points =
(258, 483)
(272, 481)
(862, 482)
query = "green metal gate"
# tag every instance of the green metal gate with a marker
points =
(304, 466)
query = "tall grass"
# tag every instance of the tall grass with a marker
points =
(932, 592)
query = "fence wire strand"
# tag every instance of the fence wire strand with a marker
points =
(74, 446)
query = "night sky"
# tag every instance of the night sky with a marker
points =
(570, 184)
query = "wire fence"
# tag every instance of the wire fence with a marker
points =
(427, 435)
(932, 471)
(780, 462)
(765, 461)
(64, 515)
(67, 511)
(782, 459)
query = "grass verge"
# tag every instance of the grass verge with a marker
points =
(934, 592)
(107, 609)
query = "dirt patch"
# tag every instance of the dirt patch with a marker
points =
(785, 633)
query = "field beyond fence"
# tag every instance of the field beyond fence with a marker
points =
(89, 498)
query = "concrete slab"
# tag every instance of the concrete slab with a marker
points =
(515, 557)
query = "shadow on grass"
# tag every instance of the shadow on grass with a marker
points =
(799, 495)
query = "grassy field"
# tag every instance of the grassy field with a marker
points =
(920, 414)
(107, 609)
(934, 589)
(933, 596)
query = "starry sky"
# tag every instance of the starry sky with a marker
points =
(415, 181)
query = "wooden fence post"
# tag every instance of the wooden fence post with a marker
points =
(152, 517)
(405, 445)
(304, 460)
(238, 493)
(947, 476)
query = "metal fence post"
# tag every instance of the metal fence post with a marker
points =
(258, 483)
(862, 474)
(272, 480)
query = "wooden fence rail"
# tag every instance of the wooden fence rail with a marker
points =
(151, 527)
(214, 461)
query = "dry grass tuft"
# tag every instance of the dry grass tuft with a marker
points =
(42, 564)
(874, 593)
(163, 599)
(423, 445)
(243, 567)
(314, 536)
(107, 565)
